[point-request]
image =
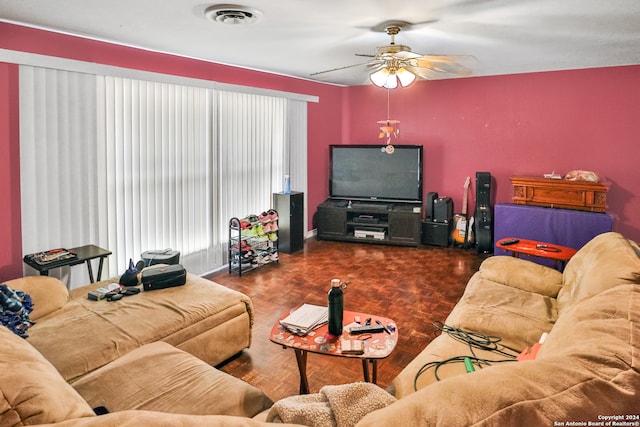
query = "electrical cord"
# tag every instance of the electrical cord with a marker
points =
(474, 340)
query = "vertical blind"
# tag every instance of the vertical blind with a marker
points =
(133, 165)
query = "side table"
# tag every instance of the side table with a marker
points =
(559, 254)
(84, 254)
(376, 345)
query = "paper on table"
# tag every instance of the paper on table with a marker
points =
(305, 319)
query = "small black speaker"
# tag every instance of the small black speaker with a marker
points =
(428, 205)
(443, 209)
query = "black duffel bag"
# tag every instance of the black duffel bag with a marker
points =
(162, 276)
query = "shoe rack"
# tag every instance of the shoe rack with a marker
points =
(253, 241)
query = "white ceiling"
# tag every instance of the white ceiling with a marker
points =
(300, 37)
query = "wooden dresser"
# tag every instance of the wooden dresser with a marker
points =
(559, 193)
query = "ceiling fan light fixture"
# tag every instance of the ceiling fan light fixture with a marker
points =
(381, 77)
(389, 79)
(405, 76)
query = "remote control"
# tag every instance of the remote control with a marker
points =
(367, 329)
(509, 242)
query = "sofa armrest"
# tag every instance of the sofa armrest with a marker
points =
(522, 274)
(47, 293)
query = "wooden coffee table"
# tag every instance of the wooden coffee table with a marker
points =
(559, 254)
(376, 346)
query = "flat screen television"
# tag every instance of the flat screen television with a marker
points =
(367, 172)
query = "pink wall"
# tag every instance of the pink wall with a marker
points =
(526, 124)
(10, 223)
(506, 125)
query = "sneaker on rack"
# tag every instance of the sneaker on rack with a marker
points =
(273, 226)
(273, 214)
(263, 258)
(259, 229)
(263, 217)
(274, 256)
(246, 228)
(253, 218)
(273, 236)
(241, 247)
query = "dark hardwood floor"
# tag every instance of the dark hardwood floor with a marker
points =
(413, 286)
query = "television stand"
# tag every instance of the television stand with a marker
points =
(370, 222)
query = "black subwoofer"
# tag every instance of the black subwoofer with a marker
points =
(436, 233)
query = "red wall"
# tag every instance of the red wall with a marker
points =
(10, 223)
(526, 124)
(506, 125)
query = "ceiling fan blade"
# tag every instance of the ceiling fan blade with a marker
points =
(338, 68)
(424, 73)
(450, 64)
(405, 25)
(459, 59)
(376, 63)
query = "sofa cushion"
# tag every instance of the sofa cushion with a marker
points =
(522, 274)
(32, 391)
(601, 332)
(422, 370)
(48, 293)
(84, 335)
(516, 316)
(159, 377)
(606, 261)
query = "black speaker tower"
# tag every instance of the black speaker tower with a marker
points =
(483, 216)
(428, 204)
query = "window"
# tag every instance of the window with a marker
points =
(132, 165)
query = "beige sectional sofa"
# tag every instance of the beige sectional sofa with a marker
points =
(143, 358)
(78, 335)
(587, 369)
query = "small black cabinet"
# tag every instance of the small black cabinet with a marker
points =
(371, 222)
(404, 225)
(290, 207)
(332, 222)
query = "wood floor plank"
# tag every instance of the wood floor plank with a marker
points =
(413, 286)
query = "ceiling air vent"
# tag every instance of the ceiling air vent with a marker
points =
(232, 14)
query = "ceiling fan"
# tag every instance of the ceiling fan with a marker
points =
(395, 63)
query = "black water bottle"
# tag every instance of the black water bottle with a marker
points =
(336, 307)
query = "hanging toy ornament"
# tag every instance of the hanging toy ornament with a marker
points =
(388, 128)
